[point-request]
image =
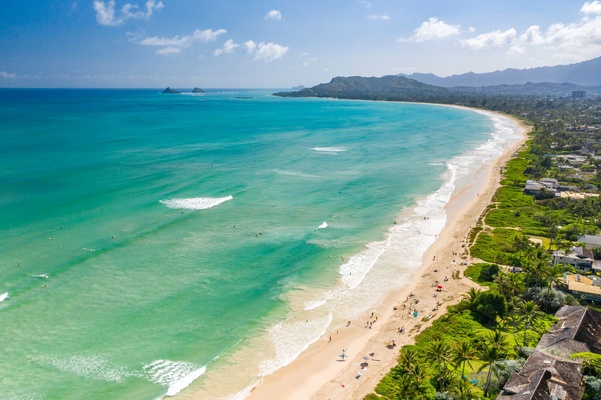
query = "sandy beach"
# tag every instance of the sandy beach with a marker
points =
(320, 373)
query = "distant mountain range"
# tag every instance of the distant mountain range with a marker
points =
(586, 73)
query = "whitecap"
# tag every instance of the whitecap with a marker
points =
(3, 296)
(330, 149)
(41, 276)
(295, 173)
(175, 375)
(323, 226)
(195, 203)
(92, 367)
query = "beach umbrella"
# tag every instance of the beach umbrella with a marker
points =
(364, 365)
(366, 357)
(439, 286)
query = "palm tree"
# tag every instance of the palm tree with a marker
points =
(529, 311)
(496, 339)
(463, 354)
(471, 295)
(439, 352)
(409, 357)
(408, 387)
(418, 372)
(490, 355)
(503, 284)
(521, 242)
(463, 390)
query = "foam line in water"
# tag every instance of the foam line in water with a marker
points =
(3, 296)
(290, 339)
(330, 149)
(295, 173)
(323, 225)
(175, 375)
(195, 203)
(92, 367)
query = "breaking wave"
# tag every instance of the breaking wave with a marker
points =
(195, 203)
(175, 375)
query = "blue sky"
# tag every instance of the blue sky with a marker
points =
(282, 43)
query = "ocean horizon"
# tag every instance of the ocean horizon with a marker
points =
(188, 244)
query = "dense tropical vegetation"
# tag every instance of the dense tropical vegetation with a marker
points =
(471, 351)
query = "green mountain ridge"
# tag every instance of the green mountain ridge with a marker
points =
(388, 87)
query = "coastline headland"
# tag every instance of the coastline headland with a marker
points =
(374, 338)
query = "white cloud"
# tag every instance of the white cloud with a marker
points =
(105, 11)
(594, 7)
(366, 4)
(267, 52)
(8, 75)
(375, 17)
(575, 41)
(176, 44)
(490, 39)
(433, 29)
(274, 14)
(228, 48)
(250, 46)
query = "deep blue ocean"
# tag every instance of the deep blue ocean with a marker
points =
(153, 242)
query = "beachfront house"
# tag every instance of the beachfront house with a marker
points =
(576, 257)
(549, 372)
(583, 286)
(549, 185)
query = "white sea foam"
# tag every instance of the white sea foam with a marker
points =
(323, 225)
(41, 276)
(295, 173)
(354, 270)
(244, 393)
(195, 203)
(289, 339)
(175, 375)
(313, 304)
(92, 367)
(332, 150)
(3, 296)
(21, 395)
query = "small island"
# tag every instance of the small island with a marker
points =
(197, 90)
(169, 90)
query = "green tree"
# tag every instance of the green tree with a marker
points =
(529, 312)
(439, 352)
(471, 296)
(489, 356)
(463, 353)
(489, 305)
(463, 390)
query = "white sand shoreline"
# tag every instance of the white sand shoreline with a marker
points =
(317, 373)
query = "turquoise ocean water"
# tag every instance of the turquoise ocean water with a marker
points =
(156, 242)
